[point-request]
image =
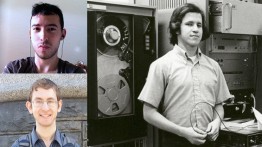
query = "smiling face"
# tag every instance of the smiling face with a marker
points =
(46, 33)
(45, 115)
(191, 30)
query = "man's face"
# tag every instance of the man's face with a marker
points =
(46, 33)
(191, 30)
(44, 107)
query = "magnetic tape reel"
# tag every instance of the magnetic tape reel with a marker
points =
(113, 94)
(114, 60)
(113, 35)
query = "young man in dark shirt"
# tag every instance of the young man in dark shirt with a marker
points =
(46, 32)
(44, 103)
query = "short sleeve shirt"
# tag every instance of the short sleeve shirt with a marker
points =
(27, 65)
(187, 90)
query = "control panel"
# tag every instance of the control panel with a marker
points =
(228, 43)
(236, 56)
(238, 69)
(246, 138)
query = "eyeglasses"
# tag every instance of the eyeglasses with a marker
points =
(40, 103)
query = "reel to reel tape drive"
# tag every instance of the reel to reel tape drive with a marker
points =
(114, 64)
(121, 47)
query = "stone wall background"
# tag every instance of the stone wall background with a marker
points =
(15, 120)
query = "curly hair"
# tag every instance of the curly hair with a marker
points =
(177, 17)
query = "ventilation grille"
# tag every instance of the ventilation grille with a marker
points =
(166, 4)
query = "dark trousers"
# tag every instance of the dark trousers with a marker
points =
(171, 140)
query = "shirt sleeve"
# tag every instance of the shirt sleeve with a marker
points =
(79, 70)
(8, 68)
(153, 90)
(25, 65)
(222, 91)
(15, 144)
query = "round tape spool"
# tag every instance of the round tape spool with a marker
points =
(113, 94)
(112, 35)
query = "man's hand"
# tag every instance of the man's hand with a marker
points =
(213, 130)
(195, 136)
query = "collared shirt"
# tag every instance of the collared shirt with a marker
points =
(27, 65)
(60, 140)
(188, 90)
(40, 143)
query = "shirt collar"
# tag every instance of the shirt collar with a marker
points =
(35, 137)
(183, 53)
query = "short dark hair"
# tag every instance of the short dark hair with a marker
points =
(177, 17)
(48, 9)
(45, 84)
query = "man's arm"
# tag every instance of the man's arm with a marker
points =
(152, 116)
(214, 126)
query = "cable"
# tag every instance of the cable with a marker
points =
(219, 118)
(193, 110)
(62, 48)
(30, 47)
(254, 99)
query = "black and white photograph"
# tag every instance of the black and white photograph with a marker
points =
(174, 73)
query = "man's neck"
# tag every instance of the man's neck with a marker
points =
(191, 51)
(47, 134)
(47, 65)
